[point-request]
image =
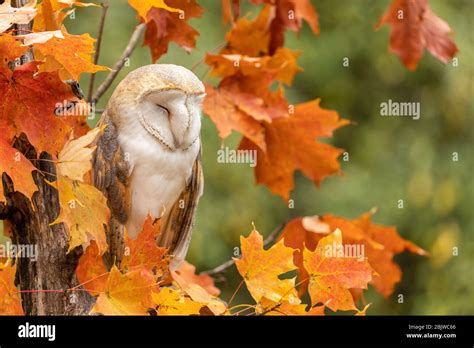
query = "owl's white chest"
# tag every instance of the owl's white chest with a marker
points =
(157, 178)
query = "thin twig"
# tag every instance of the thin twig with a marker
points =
(221, 268)
(105, 8)
(235, 292)
(200, 61)
(120, 63)
(248, 307)
(279, 303)
(271, 237)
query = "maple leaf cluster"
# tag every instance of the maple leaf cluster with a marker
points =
(313, 247)
(322, 252)
(167, 22)
(36, 101)
(250, 98)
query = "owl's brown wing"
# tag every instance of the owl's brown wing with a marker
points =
(110, 175)
(177, 229)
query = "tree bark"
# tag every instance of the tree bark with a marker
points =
(46, 282)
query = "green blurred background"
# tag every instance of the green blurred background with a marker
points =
(390, 158)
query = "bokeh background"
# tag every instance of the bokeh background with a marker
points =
(390, 158)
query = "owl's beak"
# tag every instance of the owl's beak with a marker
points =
(177, 144)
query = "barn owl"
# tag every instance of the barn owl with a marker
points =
(147, 161)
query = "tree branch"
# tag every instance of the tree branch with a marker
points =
(269, 240)
(23, 29)
(105, 8)
(19, 29)
(120, 63)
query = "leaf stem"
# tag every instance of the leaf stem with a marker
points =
(132, 44)
(105, 8)
(235, 292)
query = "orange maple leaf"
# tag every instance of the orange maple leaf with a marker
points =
(246, 96)
(219, 105)
(18, 168)
(282, 66)
(261, 269)
(241, 102)
(238, 38)
(28, 105)
(140, 254)
(84, 211)
(297, 237)
(187, 272)
(10, 301)
(199, 288)
(281, 20)
(271, 308)
(171, 301)
(164, 26)
(10, 49)
(143, 7)
(332, 274)
(51, 13)
(126, 294)
(71, 55)
(414, 28)
(143, 251)
(291, 146)
(381, 244)
(230, 10)
(91, 270)
(199, 294)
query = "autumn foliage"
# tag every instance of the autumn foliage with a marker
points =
(254, 68)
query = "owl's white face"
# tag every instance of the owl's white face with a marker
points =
(172, 117)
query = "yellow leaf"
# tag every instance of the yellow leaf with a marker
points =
(199, 294)
(71, 55)
(51, 13)
(173, 302)
(10, 302)
(261, 269)
(75, 159)
(84, 210)
(271, 308)
(143, 6)
(126, 294)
